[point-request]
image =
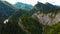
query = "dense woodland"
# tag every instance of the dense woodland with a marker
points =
(20, 20)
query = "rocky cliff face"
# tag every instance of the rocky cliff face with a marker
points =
(47, 14)
(47, 19)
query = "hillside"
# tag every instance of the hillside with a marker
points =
(27, 19)
(45, 16)
(22, 23)
(6, 10)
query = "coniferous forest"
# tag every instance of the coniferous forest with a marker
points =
(22, 18)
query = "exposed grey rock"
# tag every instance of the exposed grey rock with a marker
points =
(47, 19)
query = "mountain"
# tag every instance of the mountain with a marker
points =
(12, 25)
(42, 7)
(57, 6)
(27, 7)
(47, 14)
(6, 10)
(23, 6)
(38, 19)
(47, 7)
(20, 22)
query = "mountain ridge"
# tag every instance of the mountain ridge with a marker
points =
(20, 5)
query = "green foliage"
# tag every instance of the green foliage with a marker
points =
(55, 29)
(31, 25)
(12, 26)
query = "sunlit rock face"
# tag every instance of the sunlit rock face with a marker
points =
(6, 21)
(47, 19)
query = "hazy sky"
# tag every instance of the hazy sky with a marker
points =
(33, 2)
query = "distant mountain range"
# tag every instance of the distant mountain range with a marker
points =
(20, 5)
